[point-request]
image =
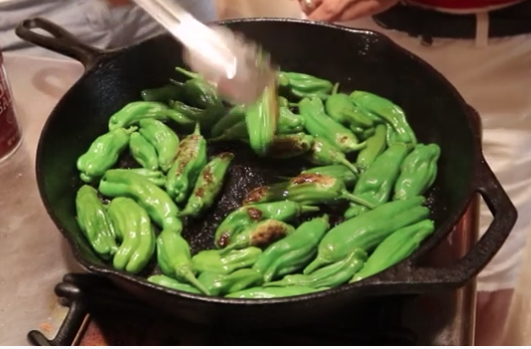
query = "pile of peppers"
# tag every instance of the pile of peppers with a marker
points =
(361, 152)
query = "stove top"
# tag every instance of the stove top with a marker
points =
(101, 314)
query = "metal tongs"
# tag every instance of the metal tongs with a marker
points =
(239, 69)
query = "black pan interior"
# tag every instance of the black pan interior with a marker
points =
(356, 59)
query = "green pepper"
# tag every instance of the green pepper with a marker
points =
(318, 124)
(233, 117)
(272, 292)
(199, 92)
(290, 145)
(395, 248)
(388, 111)
(212, 261)
(133, 112)
(308, 189)
(94, 222)
(190, 159)
(208, 185)
(340, 108)
(333, 275)
(163, 94)
(134, 225)
(153, 199)
(367, 230)
(376, 183)
(163, 139)
(143, 152)
(164, 281)
(191, 113)
(304, 85)
(375, 146)
(236, 132)
(245, 216)
(261, 120)
(220, 284)
(337, 171)
(175, 260)
(323, 153)
(103, 153)
(156, 177)
(206, 117)
(259, 234)
(294, 251)
(289, 122)
(418, 171)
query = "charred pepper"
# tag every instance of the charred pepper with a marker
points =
(212, 261)
(259, 234)
(308, 189)
(133, 112)
(376, 183)
(208, 185)
(94, 222)
(273, 292)
(190, 159)
(388, 111)
(304, 85)
(337, 171)
(367, 230)
(163, 139)
(290, 145)
(245, 216)
(318, 124)
(395, 248)
(324, 153)
(333, 275)
(164, 281)
(153, 199)
(418, 171)
(261, 119)
(143, 152)
(294, 251)
(220, 284)
(375, 147)
(103, 153)
(340, 108)
(138, 239)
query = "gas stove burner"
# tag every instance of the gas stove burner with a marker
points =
(101, 314)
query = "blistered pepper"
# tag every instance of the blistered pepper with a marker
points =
(190, 159)
(376, 183)
(318, 124)
(308, 189)
(289, 122)
(94, 222)
(259, 234)
(273, 292)
(337, 171)
(154, 200)
(221, 284)
(165, 281)
(304, 85)
(418, 171)
(143, 152)
(324, 154)
(156, 177)
(333, 275)
(133, 112)
(174, 258)
(243, 217)
(103, 153)
(261, 119)
(375, 147)
(163, 139)
(294, 251)
(388, 111)
(163, 94)
(212, 261)
(208, 185)
(395, 248)
(340, 108)
(367, 230)
(290, 145)
(234, 116)
(138, 239)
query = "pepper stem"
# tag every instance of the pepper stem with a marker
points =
(186, 274)
(316, 264)
(308, 208)
(336, 88)
(279, 283)
(350, 166)
(188, 73)
(357, 200)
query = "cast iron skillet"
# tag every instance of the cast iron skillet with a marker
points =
(358, 60)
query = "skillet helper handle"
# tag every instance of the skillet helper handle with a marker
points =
(461, 272)
(61, 41)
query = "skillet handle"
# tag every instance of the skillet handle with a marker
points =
(60, 41)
